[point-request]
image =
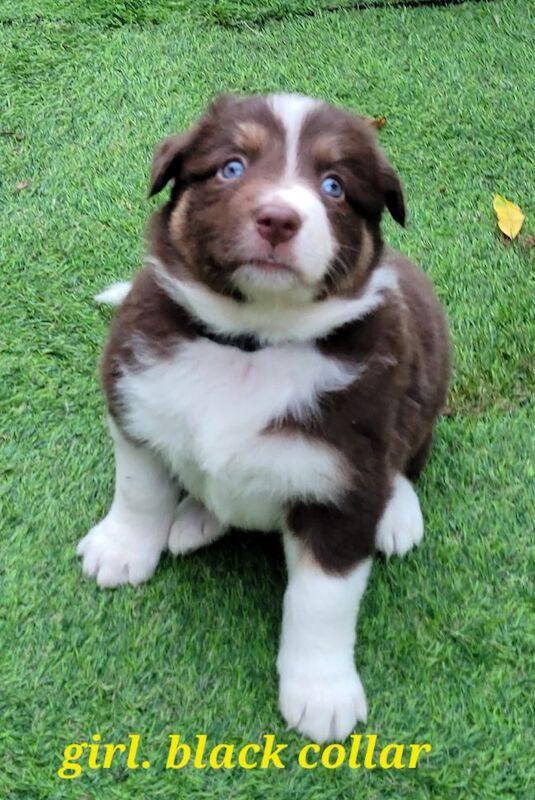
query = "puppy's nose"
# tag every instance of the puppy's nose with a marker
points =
(277, 222)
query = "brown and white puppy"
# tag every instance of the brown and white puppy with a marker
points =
(282, 368)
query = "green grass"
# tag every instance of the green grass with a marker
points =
(446, 637)
(150, 12)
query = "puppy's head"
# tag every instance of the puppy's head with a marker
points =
(277, 194)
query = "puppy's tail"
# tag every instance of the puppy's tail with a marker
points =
(115, 294)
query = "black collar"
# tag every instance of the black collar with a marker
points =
(246, 341)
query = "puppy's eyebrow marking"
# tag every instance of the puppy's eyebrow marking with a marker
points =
(251, 136)
(326, 149)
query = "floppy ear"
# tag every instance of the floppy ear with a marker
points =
(392, 191)
(167, 160)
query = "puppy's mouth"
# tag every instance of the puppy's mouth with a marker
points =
(258, 276)
(270, 265)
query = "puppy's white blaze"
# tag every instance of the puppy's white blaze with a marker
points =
(205, 393)
(314, 246)
(115, 294)
(276, 322)
(291, 109)
(298, 196)
(320, 691)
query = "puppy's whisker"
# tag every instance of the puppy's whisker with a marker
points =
(348, 247)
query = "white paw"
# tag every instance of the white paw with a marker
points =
(323, 705)
(194, 527)
(401, 527)
(114, 552)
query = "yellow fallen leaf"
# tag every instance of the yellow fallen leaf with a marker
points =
(378, 122)
(510, 217)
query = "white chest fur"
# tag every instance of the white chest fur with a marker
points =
(206, 409)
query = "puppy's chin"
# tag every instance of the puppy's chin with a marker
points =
(257, 282)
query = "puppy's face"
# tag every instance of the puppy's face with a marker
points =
(277, 195)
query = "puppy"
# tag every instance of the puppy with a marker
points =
(277, 368)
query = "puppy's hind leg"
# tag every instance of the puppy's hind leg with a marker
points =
(401, 526)
(126, 546)
(194, 526)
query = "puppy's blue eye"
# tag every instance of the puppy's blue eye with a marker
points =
(332, 186)
(232, 169)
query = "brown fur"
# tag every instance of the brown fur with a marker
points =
(252, 137)
(383, 422)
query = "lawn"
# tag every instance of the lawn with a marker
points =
(447, 636)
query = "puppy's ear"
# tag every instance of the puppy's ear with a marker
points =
(392, 191)
(167, 160)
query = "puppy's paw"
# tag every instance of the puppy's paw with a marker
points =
(194, 527)
(401, 527)
(323, 704)
(115, 553)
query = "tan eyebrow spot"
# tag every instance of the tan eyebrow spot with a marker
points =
(327, 148)
(251, 136)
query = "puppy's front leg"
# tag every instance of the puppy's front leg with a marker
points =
(320, 690)
(126, 546)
